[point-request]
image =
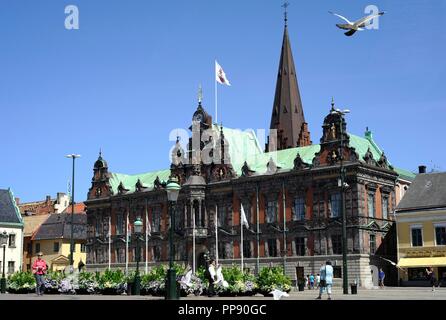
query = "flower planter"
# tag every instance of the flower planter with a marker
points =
(227, 294)
(109, 292)
(21, 290)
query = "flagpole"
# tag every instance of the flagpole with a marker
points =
(216, 114)
(127, 243)
(216, 234)
(147, 240)
(109, 242)
(258, 228)
(241, 235)
(193, 240)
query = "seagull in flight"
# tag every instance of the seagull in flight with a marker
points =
(357, 25)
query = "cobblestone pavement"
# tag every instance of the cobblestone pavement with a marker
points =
(363, 294)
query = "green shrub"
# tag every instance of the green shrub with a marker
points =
(271, 278)
(22, 282)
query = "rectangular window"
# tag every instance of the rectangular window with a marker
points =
(30, 248)
(336, 244)
(385, 206)
(371, 205)
(83, 247)
(271, 211)
(337, 272)
(157, 253)
(247, 249)
(335, 203)
(272, 247)
(221, 250)
(121, 255)
(372, 244)
(120, 223)
(12, 240)
(417, 237)
(440, 235)
(98, 227)
(416, 274)
(11, 267)
(56, 247)
(299, 209)
(156, 219)
(37, 247)
(222, 216)
(300, 246)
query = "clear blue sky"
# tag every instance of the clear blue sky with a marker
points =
(130, 75)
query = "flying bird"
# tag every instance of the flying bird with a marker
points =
(357, 25)
(278, 294)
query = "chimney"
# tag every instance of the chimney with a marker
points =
(17, 201)
(421, 169)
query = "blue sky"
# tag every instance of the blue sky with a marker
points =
(130, 74)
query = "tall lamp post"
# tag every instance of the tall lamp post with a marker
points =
(73, 156)
(138, 231)
(3, 243)
(173, 190)
(342, 183)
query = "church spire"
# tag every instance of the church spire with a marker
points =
(287, 114)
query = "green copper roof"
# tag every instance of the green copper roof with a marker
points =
(244, 146)
(404, 174)
(129, 181)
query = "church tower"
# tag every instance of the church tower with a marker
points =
(287, 114)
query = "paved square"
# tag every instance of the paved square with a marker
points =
(363, 294)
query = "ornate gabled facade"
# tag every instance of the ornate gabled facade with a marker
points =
(291, 197)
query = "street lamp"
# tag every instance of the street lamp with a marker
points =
(138, 231)
(342, 113)
(3, 242)
(173, 190)
(73, 156)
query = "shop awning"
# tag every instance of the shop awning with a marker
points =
(422, 262)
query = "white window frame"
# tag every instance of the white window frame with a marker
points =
(417, 226)
(439, 224)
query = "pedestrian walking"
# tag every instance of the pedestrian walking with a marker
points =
(318, 280)
(308, 282)
(212, 277)
(431, 275)
(381, 276)
(326, 280)
(39, 269)
(312, 281)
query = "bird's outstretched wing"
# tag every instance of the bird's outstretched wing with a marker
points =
(343, 18)
(350, 32)
(363, 21)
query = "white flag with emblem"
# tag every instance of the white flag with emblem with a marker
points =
(220, 75)
(243, 218)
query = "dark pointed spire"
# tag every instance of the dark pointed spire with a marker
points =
(287, 115)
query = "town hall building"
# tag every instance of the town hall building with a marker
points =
(289, 190)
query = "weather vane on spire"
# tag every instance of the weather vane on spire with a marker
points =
(285, 6)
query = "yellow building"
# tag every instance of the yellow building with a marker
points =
(421, 230)
(53, 240)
